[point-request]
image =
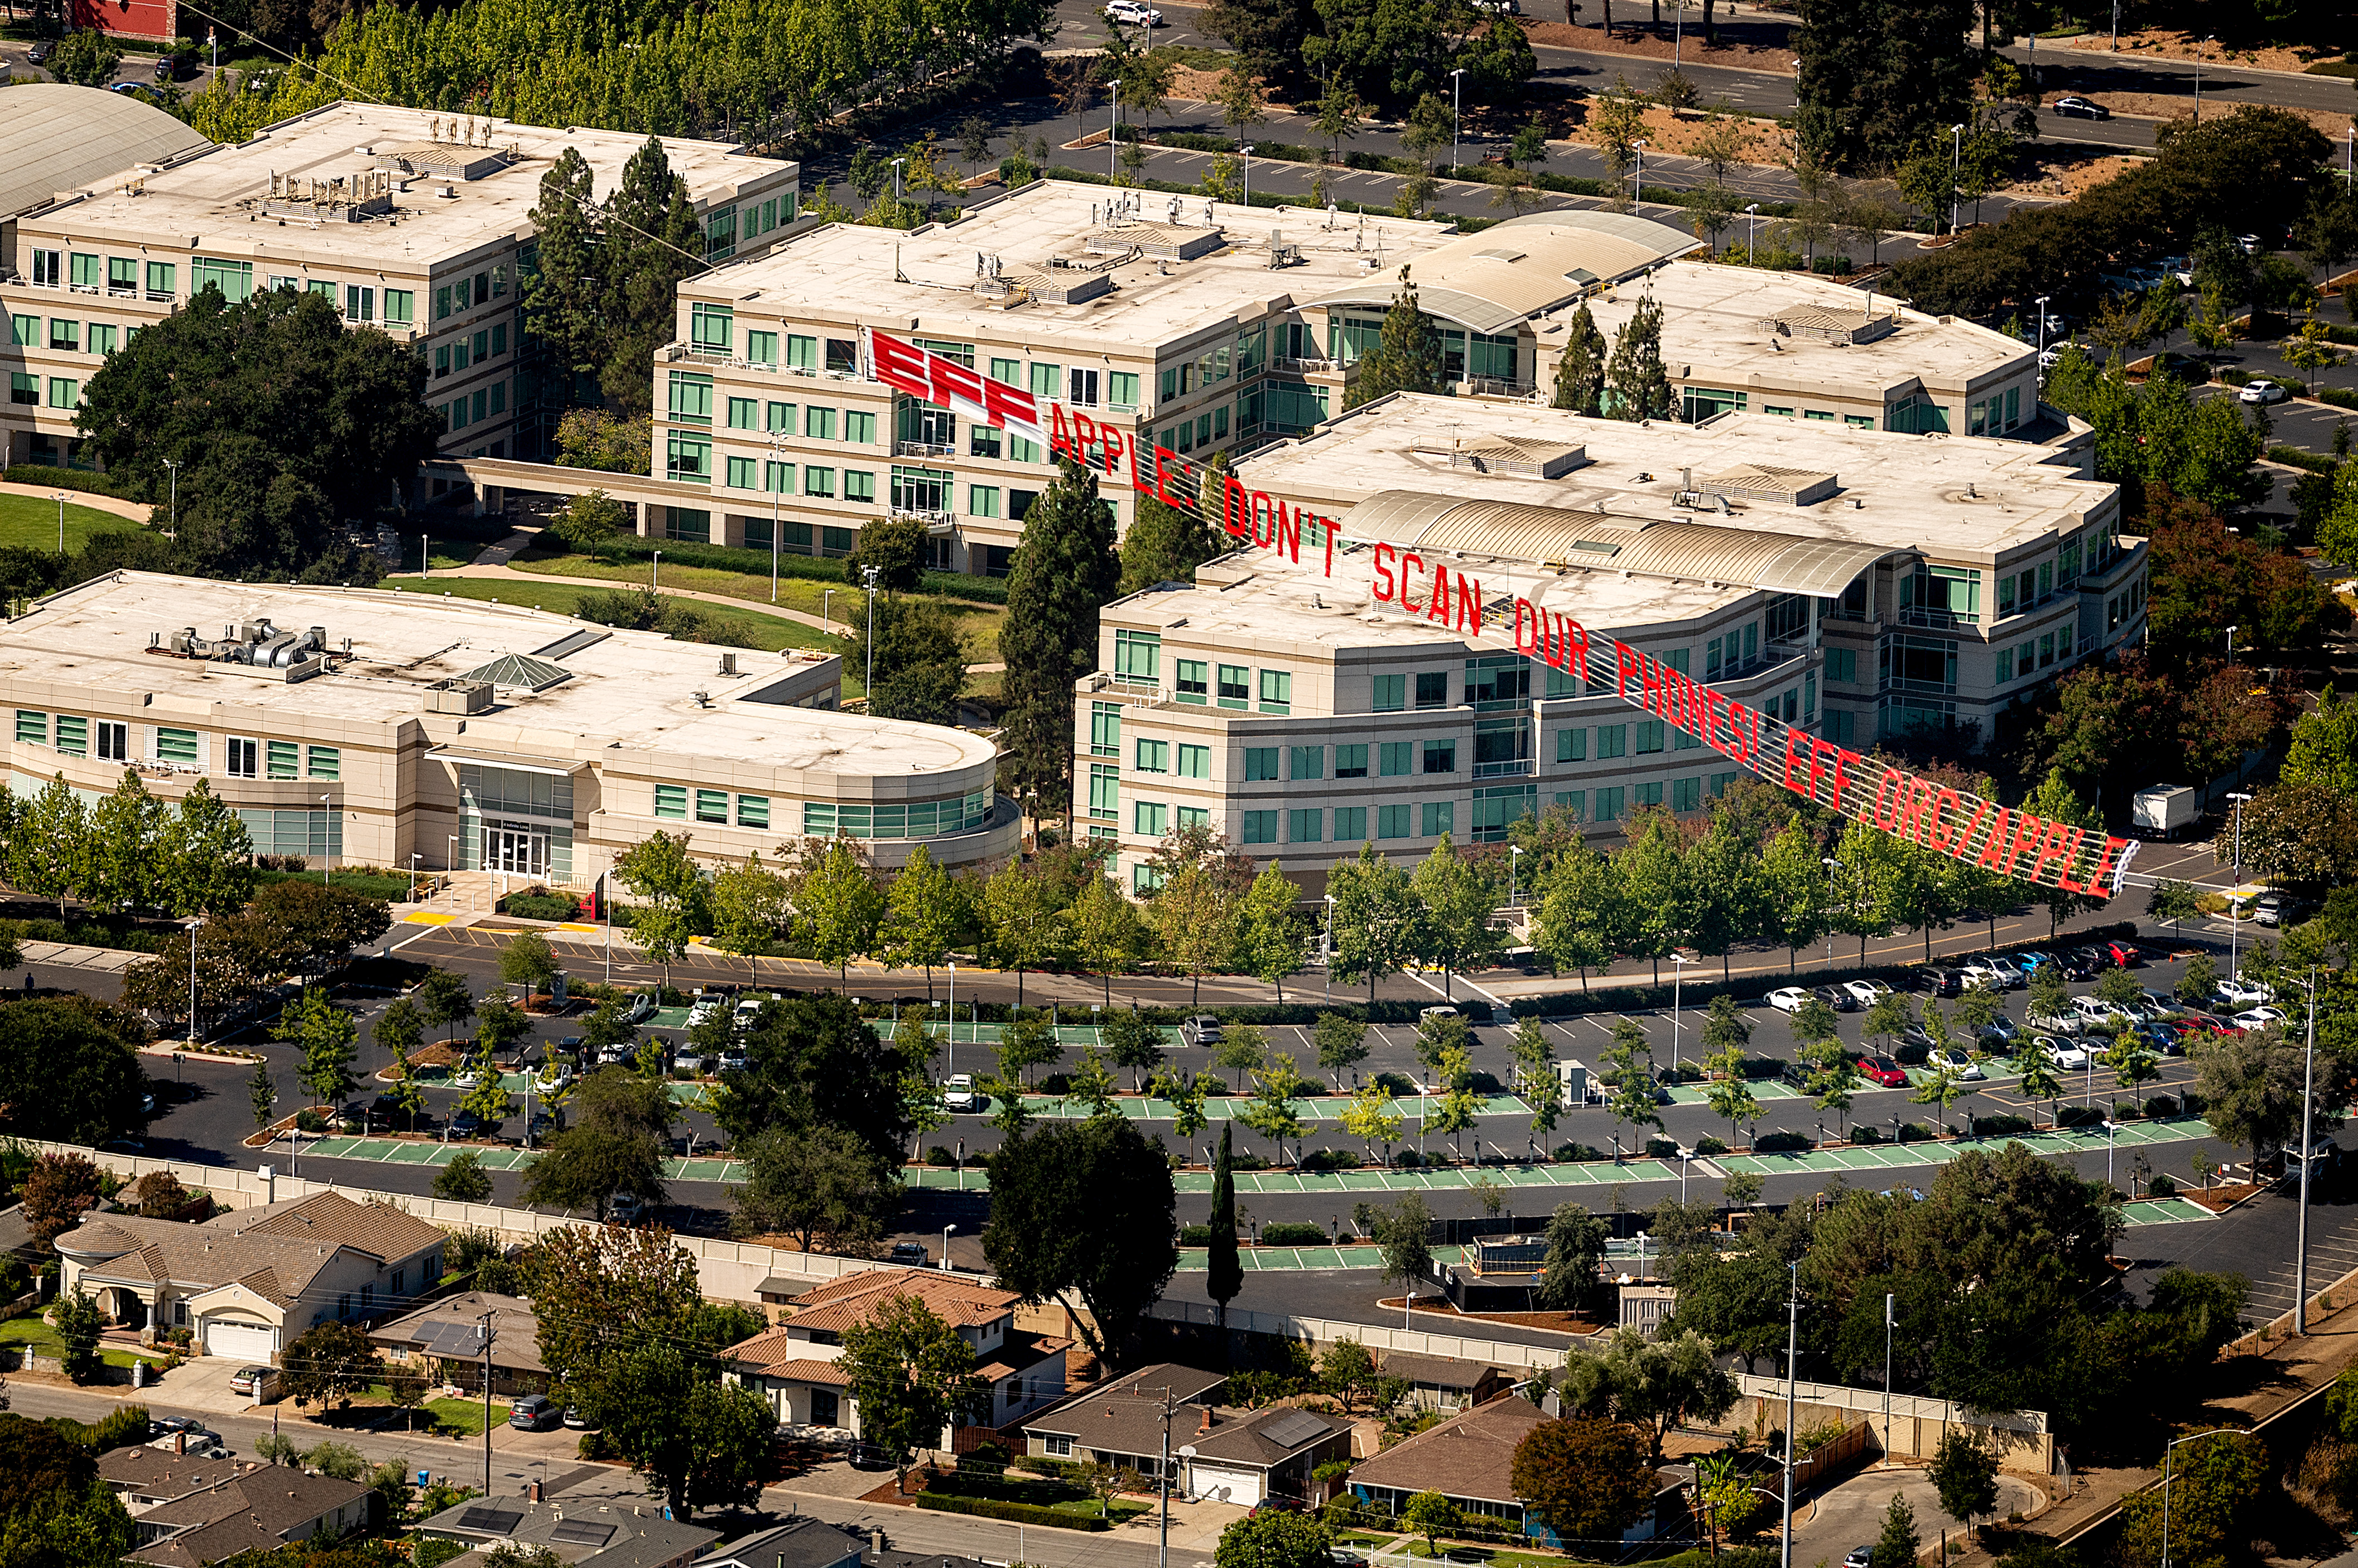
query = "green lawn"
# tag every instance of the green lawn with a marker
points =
(464, 1415)
(771, 633)
(31, 521)
(39, 1340)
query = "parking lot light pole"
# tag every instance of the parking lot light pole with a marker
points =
(2235, 880)
(2308, 1158)
(1678, 979)
(1751, 232)
(1833, 865)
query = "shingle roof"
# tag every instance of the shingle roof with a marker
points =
(378, 1228)
(1435, 1371)
(1125, 1417)
(841, 1303)
(635, 1538)
(274, 1251)
(159, 1473)
(772, 1355)
(255, 1511)
(1472, 1455)
(802, 1542)
(516, 1333)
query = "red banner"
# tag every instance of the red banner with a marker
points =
(1965, 827)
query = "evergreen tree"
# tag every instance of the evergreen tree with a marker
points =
(1165, 544)
(1580, 373)
(650, 241)
(1898, 1544)
(1227, 1276)
(1269, 34)
(1636, 385)
(1065, 572)
(564, 301)
(1877, 77)
(1407, 357)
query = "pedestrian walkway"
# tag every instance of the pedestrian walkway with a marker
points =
(484, 566)
(1897, 1156)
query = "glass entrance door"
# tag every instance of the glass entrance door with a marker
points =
(521, 850)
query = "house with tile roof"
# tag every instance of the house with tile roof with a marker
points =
(248, 1283)
(1470, 1460)
(1219, 1451)
(793, 1365)
(192, 1513)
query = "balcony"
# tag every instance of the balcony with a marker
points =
(1519, 768)
(934, 521)
(1497, 386)
(1284, 366)
(925, 448)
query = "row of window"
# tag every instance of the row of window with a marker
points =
(68, 335)
(1856, 421)
(712, 806)
(244, 756)
(920, 819)
(65, 392)
(466, 293)
(473, 408)
(725, 228)
(487, 342)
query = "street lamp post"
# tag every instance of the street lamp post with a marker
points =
(174, 464)
(2235, 880)
(896, 184)
(1638, 196)
(946, 1230)
(59, 497)
(2112, 1142)
(1329, 965)
(2042, 324)
(1679, 962)
(1956, 169)
(2308, 1150)
(654, 574)
(2198, 109)
(414, 858)
(777, 444)
(1751, 232)
(194, 921)
(1833, 865)
(1514, 865)
(1457, 82)
(826, 613)
(1247, 151)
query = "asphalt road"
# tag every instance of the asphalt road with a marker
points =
(2098, 71)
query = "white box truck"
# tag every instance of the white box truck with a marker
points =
(2162, 810)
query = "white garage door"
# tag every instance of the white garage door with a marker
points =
(240, 1341)
(1239, 1487)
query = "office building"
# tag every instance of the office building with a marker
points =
(391, 729)
(1861, 584)
(412, 222)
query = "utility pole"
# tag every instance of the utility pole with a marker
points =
(483, 1329)
(2308, 1150)
(1792, 1345)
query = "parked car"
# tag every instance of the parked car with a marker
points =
(614, 1055)
(2064, 1022)
(960, 1095)
(733, 1060)
(2004, 972)
(641, 1007)
(466, 1124)
(2081, 964)
(39, 53)
(1795, 1074)
(2000, 1030)
(2241, 992)
(1883, 1072)
(704, 1008)
(1916, 1037)
(2275, 908)
(1134, 13)
(467, 1078)
(2096, 1010)
(2259, 393)
(1274, 1505)
(574, 1420)
(552, 1078)
(544, 1125)
(1957, 1063)
(534, 1413)
(1865, 992)
(691, 1061)
(1789, 998)
(2072, 106)
(2068, 1055)
(2258, 1017)
(628, 1208)
(1939, 981)
(747, 1011)
(1201, 1030)
(1839, 998)
(2029, 961)
(250, 1381)
(912, 1253)
(1859, 1557)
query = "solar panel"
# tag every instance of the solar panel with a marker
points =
(580, 1532)
(491, 1521)
(1293, 1430)
(450, 1339)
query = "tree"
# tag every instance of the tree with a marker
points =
(1730, 1096)
(1632, 1099)
(1407, 356)
(1577, 1245)
(326, 1034)
(1087, 1208)
(619, 1139)
(657, 871)
(1794, 889)
(1064, 573)
(1618, 122)
(651, 239)
(443, 999)
(262, 1093)
(528, 961)
(1377, 919)
(1270, 1111)
(1133, 1045)
(699, 1442)
(2219, 1488)
(814, 1061)
(592, 521)
(923, 913)
(1269, 928)
(1432, 1516)
(1194, 910)
(208, 389)
(57, 1192)
(1877, 79)
(1027, 1041)
(207, 855)
(1225, 1276)
(1589, 1478)
(1341, 1042)
(1273, 1540)
(836, 895)
(565, 293)
(1166, 544)
(895, 547)
(1372, 1119)
(2250, 1083)
(1965, 1474)
(910, 1374)
(330, 1364)
(1580, 370)
(500, 1024)
(86, 57)
(750, 907)
(597, 1290)
(48, 845)
(1897, 1546)
(125, 866)
(78, 1329)
(1403, 1233)
(1348, 1372)
(69, 1069)
(1458, 900)
(464, 1180)
(1651, 1384)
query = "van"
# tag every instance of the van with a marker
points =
(534, 1413)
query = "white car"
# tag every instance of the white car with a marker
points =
(465, 1080)
(2244, 992)
(2258, 1018)
(2057, 1023)
(733, 1060)
(2070, 1056)
(1131, 12)
(615, 1055)
(1955, 1062)
(705, 1007)
(747, 1011)
(960, 1095)
(2260, 393)
(1789, 998)
(552, 1078)
(641, 1007)
(2096, 1010)
(1867, 992)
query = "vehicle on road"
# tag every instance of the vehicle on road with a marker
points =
(959, 1094)
(2072, 106)
(2259, 393)
(1883, 1072)
(912, 1253)
(1133, 13)
(39, 53)
(1201, 1030)
(1789, 998)
(2163, 809)
(1859, 1557)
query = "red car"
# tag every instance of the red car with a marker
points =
(2198, 1025)
(1882, 1071)
(2125, 954)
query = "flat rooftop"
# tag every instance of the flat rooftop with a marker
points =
(620, 691)
(1955, 498)
(939, 280)
(216, 203)
(1792, 330)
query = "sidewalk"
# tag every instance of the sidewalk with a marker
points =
(137, 511)
(482, 569)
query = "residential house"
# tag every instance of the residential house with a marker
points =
(192, 1513)
(444, 1337)
(794, 1366)
(582, 1534)
(1217, 1452)
(805, 1542)
(248, 1283)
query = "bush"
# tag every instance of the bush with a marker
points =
(2079, 1116)
(1407, 1159)
(1662, 1148)
(2162, 1186)
(310, 1120)
(2001, 1126)
(70, 479)
(941, 1154)
(1908, 1054)
(2161, 1106)
(433, 1550)
(1708, 1146)
(1293, 1233)
(987, 1454)
(1195, 1236)
(539, 903)
(2339, 397)
(1332, 1159)
(1915, 1132)
(1781, 1143)
(1867, 1132)
(1569, 1152)
(1019, 1513)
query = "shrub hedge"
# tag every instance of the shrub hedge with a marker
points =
(70, 479)
(1293, 1233)
(1018, 1513)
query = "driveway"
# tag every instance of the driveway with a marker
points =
(1852, 1514)
(204, 1385)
